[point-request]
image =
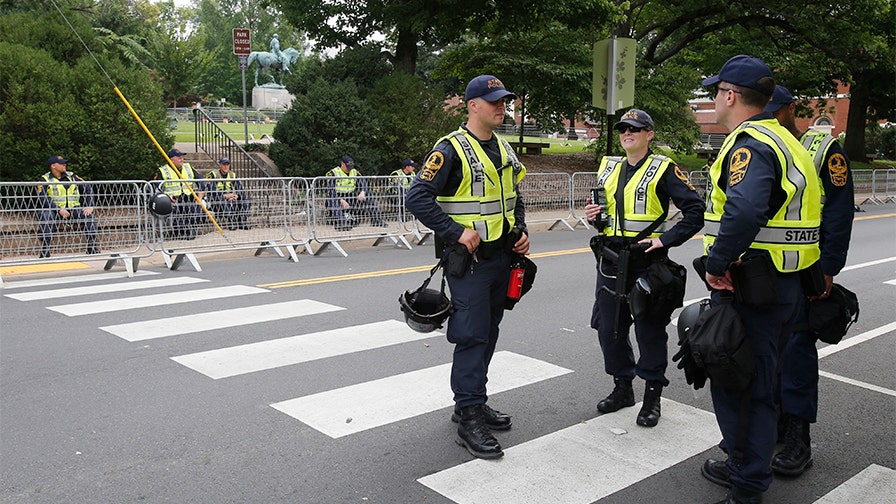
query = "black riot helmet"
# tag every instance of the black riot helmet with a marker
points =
(160, 204)
(688, 317)
(425, 310)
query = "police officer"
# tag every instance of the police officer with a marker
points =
(348, 190)
(64, 196)
(227, 196)
(762, 218)
(798, 383)
(185, 216)
(467, 193)
(638, 189)
(400, 182)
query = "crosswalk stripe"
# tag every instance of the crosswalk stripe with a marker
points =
(111, 305)
(356, 408)
(582, 463)
(104, 288)
(187, 324)
(242, 359)
(41, 282)
(873, 484)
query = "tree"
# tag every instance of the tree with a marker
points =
(810, 46)
(55, 100)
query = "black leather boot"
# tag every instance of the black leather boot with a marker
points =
(796, 456)
(473, 434)
(650, 410)
(738, 496)
(622, 396)
(717, 472)
(494, 419)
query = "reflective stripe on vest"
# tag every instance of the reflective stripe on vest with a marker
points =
(62, 196)
(791, 235)
(641, 206)
(476, 204)
(402, 178)
(177, 188)
(345, 182)
(224, 183)
(818, 143)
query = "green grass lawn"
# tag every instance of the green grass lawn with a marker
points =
(185, 131)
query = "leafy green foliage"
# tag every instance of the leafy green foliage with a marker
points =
(57, 101)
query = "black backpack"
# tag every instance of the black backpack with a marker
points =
(720, 345)
(830, 318)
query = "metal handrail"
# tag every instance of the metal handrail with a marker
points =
(215, 142)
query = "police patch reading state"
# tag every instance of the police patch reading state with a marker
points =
(837, 169)
(737, 165)
(433, 164)
(684, 178)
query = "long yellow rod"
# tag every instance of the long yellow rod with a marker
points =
(140, 121)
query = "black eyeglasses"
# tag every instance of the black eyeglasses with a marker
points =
(720, 88)
(634, 129)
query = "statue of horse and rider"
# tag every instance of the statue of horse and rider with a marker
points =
(268, 61)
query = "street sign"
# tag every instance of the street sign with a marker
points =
(613, 84)
(244, 61)
(242, 42)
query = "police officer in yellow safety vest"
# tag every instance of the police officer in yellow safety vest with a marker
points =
(347, 190)
(227, 198)
(468, 194)
(400, 182)
(186, 216)
(798, 383)
(762, 217)
(64, 196)
(638, 191)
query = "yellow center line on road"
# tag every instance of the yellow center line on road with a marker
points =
(389, 272)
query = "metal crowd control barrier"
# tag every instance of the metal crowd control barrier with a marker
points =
(369, 211)
(882, 186)
(580, 191)
(546, 196)
(114, 230)
(269, 214)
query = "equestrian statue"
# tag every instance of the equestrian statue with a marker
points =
(276, 60)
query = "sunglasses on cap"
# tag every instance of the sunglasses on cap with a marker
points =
(633, 129)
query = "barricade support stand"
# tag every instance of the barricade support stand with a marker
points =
(178, 259)
(561, 221)
(268, 245)
(398, 241)
(326, 244)
(130, 263)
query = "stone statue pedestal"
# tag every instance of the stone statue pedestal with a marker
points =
(264, 97)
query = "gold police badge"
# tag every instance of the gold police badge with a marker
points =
(684, 178)
(837, 169)
(737, 165)
(433, 164)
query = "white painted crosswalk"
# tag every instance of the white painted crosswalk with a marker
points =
(154, 300)
(584, 462)
(209, 321)
(364, 406)
(578, 464)
(104, 288)
(269, 354)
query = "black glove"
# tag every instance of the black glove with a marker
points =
(693, 374)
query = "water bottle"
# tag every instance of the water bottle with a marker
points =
(517, 272)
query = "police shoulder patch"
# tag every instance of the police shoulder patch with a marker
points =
(737, 165)
(684, 178)
(433, 164)
(837, 168)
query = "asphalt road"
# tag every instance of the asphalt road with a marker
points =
(262, 380)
